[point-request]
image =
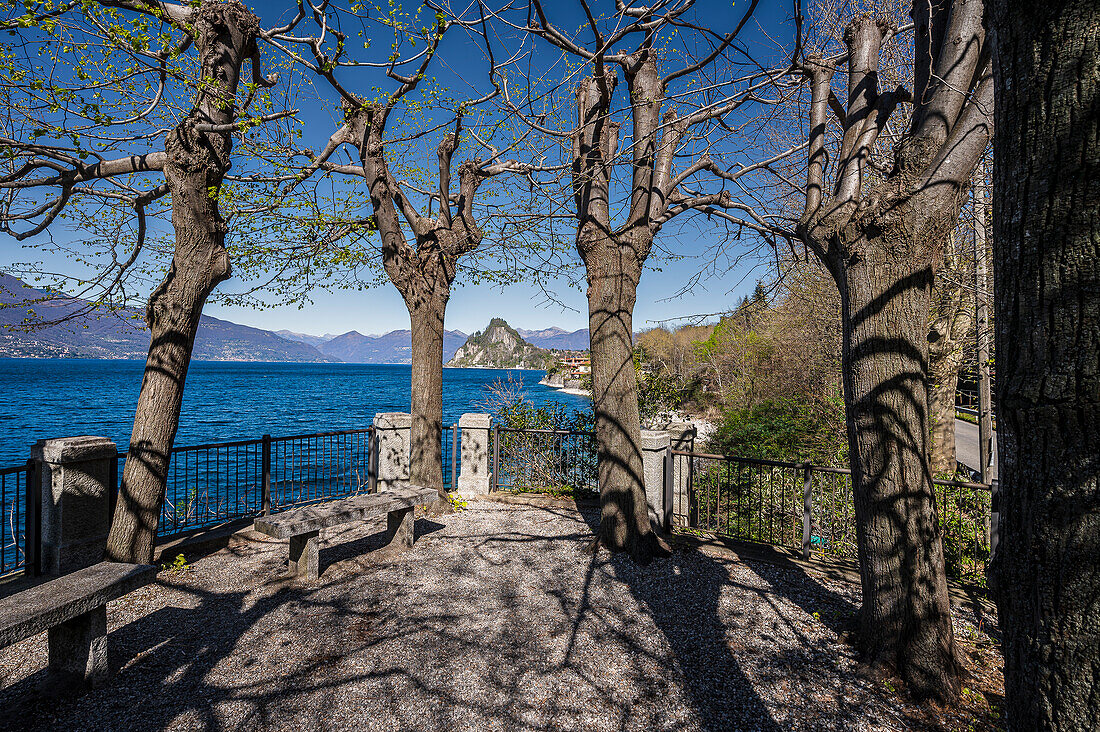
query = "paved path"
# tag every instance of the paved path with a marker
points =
(497, 619)
(966, 446)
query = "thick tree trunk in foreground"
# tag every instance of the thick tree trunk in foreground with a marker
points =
(881, 237)
(906, 616)
(1046, 218)
(427, 394)
(224, 35)
(613, 274)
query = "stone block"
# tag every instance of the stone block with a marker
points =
(473, 477)
(393, 437)
(305, 552)
(400, 529)
(655, 445)
(78, 650)
(682, 437)
(76, 494)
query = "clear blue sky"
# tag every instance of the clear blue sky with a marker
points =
(381, 309)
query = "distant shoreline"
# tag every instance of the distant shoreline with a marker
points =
(228, 360)
(565, 389)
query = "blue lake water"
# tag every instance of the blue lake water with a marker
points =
(226, 400)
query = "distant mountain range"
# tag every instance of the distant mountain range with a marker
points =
(123, 334)
(557, 338)
(392, 347)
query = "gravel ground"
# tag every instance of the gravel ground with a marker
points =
(497, 619)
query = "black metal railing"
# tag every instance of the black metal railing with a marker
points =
(218, 482)
(810, 508)
(19, 502)
(317, 467)
(543, 461)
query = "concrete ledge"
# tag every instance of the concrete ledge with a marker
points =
(58, 600)
(298, 521)
(74, 449)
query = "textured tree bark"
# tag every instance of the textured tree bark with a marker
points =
(881, 236)
(224, 35)
(952, 323)
(944, 374)
(427, 394)
(613, 274)
(1046, 219)
(906, 616)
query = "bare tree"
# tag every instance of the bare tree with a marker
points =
(128, 168)
(421, 261)
(1046, 223)
(666, 135)
(879, 229)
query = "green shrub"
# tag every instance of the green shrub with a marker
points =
(792, 430)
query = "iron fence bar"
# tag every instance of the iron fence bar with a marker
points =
(496, 457)
(32, 521)
(265, 476)
(807, 509)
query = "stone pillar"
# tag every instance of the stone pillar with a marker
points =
(473, 477)
(682, 437)
(655, 445)
(393, 435)
(76, 501)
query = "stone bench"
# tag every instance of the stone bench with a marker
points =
(73, 608)
(303, 525)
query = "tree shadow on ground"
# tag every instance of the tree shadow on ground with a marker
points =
(506, 625)
(703, 640)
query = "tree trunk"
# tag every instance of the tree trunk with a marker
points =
(224, 34)
(624, 514)
(200, 262)
(952, 322)
(941, 408)
(946, 336)
(1046, 219)
(906, 616)
(427, 394)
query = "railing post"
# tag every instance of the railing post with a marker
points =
(496, 456)
(994, 516)
(32, 513)
(655, 446)
(372, 461)
(454, 456)
(807, 507)
(73, 515)
(669, 492)
(265, 496)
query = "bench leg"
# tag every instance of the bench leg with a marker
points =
(303, 555)
(78, 650)
(399, 528)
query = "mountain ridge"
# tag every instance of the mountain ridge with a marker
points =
(123, 335)
(500, 346)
